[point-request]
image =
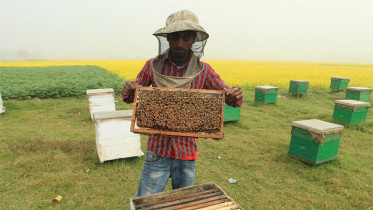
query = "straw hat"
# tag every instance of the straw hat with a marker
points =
(183, 20)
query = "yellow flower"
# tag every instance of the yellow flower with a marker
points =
(246, 74)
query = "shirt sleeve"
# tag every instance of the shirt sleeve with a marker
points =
(143, 78)
(214, 82)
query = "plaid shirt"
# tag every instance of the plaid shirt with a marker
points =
(173, 146)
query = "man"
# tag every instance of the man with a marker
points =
(181, 44)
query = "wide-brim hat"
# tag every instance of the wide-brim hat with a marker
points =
(183, 20)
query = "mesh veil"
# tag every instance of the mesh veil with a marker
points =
(197, 48)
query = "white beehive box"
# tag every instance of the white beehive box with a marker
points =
(114, 140)
(101, 100)
(2, 108)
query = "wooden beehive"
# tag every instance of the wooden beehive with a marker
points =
(2, 108)
(231, 113)
(203, 197)
(114, 140)
(315, 141)
(358, 93)
(101, 100)
(298, 86)
(351, 111)
(266, 94)
(141, 91)
(339, 83)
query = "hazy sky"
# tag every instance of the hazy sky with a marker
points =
(269, 30)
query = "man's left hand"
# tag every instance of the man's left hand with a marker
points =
(234, 93)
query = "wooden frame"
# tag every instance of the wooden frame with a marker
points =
(172, 133)
(205, 197)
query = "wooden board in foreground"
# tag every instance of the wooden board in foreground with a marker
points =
(202, 197)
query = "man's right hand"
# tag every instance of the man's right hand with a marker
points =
(129, 88)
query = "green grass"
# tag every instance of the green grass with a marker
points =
(55, 81)
(47, 148)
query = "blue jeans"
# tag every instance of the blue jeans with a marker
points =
(158, 169)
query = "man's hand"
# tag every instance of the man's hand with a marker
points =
(234, 93)
(129, 88)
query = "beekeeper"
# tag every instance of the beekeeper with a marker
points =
(177, 65)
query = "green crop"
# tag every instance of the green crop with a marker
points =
(55, 82)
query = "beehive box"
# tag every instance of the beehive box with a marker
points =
(350, 111)
(204, 196)
(172, 105)
(2, 108)
(114, 140)
(266, 94)
(315, 141)
(101, 100)
(298, 86)
(231, 113)
(339, 83)
(358, 93)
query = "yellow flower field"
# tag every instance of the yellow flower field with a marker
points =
(247, 74)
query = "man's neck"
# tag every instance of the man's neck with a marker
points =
(179, 63)
(178, 60)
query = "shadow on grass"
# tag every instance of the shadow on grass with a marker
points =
(364, 127)
(129, 160)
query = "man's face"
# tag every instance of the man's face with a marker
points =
(180, 44)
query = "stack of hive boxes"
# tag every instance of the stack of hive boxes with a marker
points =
(101, 100)
(114, 139)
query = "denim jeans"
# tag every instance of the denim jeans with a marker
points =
(158, 169)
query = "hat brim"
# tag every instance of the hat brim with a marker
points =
(183, 25)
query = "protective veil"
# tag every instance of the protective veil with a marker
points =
(183, 20)
(180, 21)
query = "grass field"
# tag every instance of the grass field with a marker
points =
(47, 148)
(55, 82)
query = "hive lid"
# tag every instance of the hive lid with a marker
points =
(98, 91)
(318, 126)
(340, 78)
(266, 87)
(352, 103)
(112, 115)
(300, 81)
(359, 88)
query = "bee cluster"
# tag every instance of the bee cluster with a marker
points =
(179, 111)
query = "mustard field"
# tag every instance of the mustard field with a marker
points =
(247, 74)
